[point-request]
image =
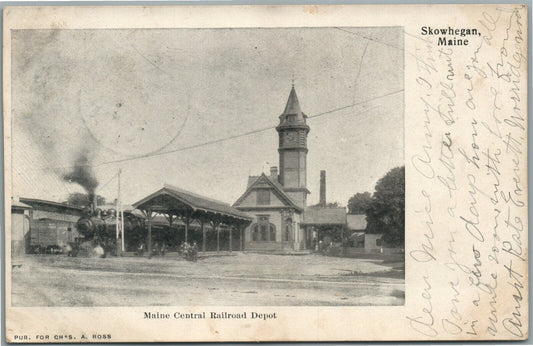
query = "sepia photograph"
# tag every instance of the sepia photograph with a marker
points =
(265, 173)
(233, 167)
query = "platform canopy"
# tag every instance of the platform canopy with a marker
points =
(176, 203)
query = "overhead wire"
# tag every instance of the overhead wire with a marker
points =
(110, 180)
(243, 134)
(259, 130)
(223, 139)
(269, 127)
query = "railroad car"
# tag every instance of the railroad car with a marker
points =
(52, 236)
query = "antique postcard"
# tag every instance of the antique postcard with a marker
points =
(265, 173)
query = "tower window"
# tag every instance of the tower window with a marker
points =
(263, 197)
(291, 118)
(302, 138)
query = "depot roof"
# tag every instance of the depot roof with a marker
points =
(325, 216)
(177, 201)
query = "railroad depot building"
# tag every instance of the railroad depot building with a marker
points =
(277, 202)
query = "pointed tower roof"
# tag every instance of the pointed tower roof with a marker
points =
(293, 106)
(292, 115)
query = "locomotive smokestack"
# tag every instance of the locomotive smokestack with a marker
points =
(93, 203)
(323, 188)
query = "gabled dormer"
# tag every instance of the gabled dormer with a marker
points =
(265, 193)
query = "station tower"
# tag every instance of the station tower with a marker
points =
(292, 131)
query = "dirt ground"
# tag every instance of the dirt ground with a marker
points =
(231, 280)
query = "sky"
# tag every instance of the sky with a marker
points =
(197, 108)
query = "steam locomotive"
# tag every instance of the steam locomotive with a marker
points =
(97, 229)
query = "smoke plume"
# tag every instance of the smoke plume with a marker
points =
(83, 174)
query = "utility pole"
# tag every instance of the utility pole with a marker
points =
(121, 213)
(117, 214)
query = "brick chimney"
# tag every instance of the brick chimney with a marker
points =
(322, 188)
(274, 173)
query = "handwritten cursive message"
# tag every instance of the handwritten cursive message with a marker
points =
(469, 245)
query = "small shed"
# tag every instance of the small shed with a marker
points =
(324, 224)
(356, 224)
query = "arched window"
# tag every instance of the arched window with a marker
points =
(263, 230)
(255, 233)
(264, 233)
(272, 232)
(288, 230)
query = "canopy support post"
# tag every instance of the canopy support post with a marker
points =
(218, 238)
(230, 239)
(187, 222)
(342, 241)
(149, 217)
(241, 238)
(202, 224)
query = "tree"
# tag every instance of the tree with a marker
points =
(82, 199)
(386, 213)
(359, 203)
